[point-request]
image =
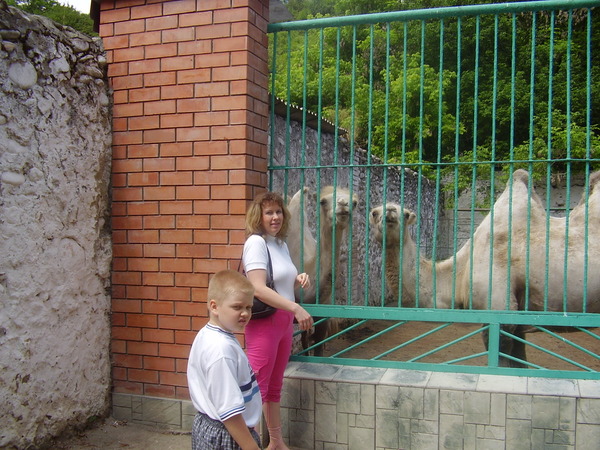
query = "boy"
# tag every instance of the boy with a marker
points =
(222, 385)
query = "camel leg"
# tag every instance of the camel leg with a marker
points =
(319, 335)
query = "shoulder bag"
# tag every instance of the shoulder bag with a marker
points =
(260, 309)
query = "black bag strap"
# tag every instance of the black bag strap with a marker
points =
(269, 265)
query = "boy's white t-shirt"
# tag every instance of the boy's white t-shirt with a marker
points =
(220, 378)
(284, 271)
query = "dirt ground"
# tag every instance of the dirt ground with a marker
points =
(114, 434)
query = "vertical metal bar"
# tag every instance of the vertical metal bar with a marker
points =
(386, 136)
(568, 156)
(456, 156)
(369, 158)
(403, 159)
(512, 152)
(474, 166)
(350, 233)
(548, 166)
(272, 112)
(493, 344)
(319, 164)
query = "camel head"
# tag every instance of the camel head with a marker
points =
(392, 218)
(340, 206)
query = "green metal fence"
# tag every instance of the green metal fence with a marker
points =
(481, 125)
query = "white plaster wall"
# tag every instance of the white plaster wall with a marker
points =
(55, 248)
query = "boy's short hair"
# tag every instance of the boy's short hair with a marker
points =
(226, 283)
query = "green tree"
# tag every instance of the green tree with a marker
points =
(63, 14)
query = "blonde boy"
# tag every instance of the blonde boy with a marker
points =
(222, 385)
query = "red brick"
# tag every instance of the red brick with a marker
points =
(160, 107)
(189, 309)
(159, 250)
(159, 222)
(212, 148)
(161, 23)
(120, 97)
(142, 320)
(208, 119)
(152, 335)
(127, 194)
(162, 364)
(142, 208)
(142, 236)
(107, 29)
(114, 15)
(177, 120)
(118, 69)
(213, 31)
(145, 66)
(181, 365)
(126, 278)
(128, 54)
(143, 264)
(229, 103)
(195, 18)
(158, 279)
(173, 379)
(148, 38)
(194, 48)
(231, 44)
(142, 292)
(118, 346)
(179, 7)
(209, 5)
(192, 162)
(142, 348)
(159, 136)
(161, 50)
(148, 94)
(231, 15)
(211, 237)
(193, 134)
(193, 192)
(159, 193)
(176, 207)
(125, 387)
(145, 11)
(126, 306)
(159, 307)
(177, 92)
(178, 35)
(187, 337)
(161, 391)
(128, 110)
(174, 323)
(176, 265)
(143, 179)
(127, 250)
(142, 151)
(127, 137)
(225, 252)
(130, 27)
(174, 293)
(193, 105)
(160, 79)
(143, 123)
(189, 279)
(119, 180)
(176, 236)
(126, 333)
(177, 149)
(210, 266)
(126, 223)
(116, 42)
(193, 76)
(189, 222)
(133, 361)
(174, 350)
(144, 375)
(211, 177)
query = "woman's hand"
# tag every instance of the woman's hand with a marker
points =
(303, 280)
(304, 319)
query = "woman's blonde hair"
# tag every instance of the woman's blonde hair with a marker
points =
(254, 224)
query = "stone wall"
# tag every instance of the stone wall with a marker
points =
(54, 229)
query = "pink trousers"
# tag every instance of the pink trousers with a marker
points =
(268, 346)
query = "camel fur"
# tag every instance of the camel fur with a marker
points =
(508, 277)
(336, 206)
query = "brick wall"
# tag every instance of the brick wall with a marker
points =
(189, 150)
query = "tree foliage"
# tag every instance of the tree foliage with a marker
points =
(469, 91)
(63, 14)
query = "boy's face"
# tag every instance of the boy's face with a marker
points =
(233, 313)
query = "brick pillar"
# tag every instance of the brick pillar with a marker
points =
(189, 150)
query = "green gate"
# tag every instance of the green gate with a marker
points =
(481, 125)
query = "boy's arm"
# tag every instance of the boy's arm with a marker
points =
(240, 432)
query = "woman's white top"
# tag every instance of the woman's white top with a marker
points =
(284, 271)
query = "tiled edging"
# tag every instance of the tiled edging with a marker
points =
(356, 408)
(327, 407)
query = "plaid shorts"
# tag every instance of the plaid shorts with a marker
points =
(209, 434)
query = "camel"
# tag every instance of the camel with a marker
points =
(510, 277)
(336, 206)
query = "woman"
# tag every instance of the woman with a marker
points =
(269, 340)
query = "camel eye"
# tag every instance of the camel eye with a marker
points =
(323, 202)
